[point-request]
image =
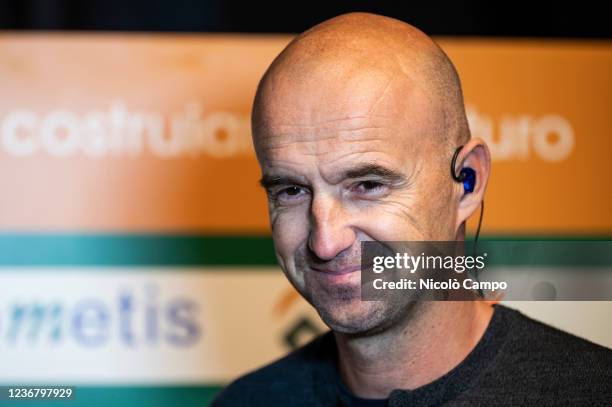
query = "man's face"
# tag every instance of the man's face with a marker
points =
(347, 157)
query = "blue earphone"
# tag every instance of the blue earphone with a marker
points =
(467, 175)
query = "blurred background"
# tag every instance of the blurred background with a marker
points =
(135, 256)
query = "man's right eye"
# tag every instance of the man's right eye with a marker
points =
(291, 191)
(289, 195)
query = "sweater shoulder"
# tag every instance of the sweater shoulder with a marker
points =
(540, 358)
(529, 335)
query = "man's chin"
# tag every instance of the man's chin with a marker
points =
(354, 317)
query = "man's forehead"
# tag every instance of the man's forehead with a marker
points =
(332, 141)
(329, 93)
(362, 104)
(341, 130)
(342, 146)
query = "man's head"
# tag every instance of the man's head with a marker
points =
(354, 126)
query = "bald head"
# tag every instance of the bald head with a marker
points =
(364, 48)
(354, 125)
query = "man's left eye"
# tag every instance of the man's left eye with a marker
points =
(368, 187)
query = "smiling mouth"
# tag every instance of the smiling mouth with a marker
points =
(337, 271)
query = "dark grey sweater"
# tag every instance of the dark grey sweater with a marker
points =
(518, 362)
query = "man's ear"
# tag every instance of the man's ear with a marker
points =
(475, 155)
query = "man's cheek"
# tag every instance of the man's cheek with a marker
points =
(289, 232)
(391, 222)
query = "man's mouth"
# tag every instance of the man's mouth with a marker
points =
(337, 271)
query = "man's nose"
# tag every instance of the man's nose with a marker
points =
(330, 228)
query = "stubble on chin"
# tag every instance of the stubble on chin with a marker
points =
(342, 309)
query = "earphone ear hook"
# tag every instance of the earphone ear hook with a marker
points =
(461, 176)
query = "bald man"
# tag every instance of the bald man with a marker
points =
(354, 126)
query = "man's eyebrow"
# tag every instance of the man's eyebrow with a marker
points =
(268, 180)
(366, 170)
(374, 170)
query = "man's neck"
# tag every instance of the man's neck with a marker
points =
(436, 337)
